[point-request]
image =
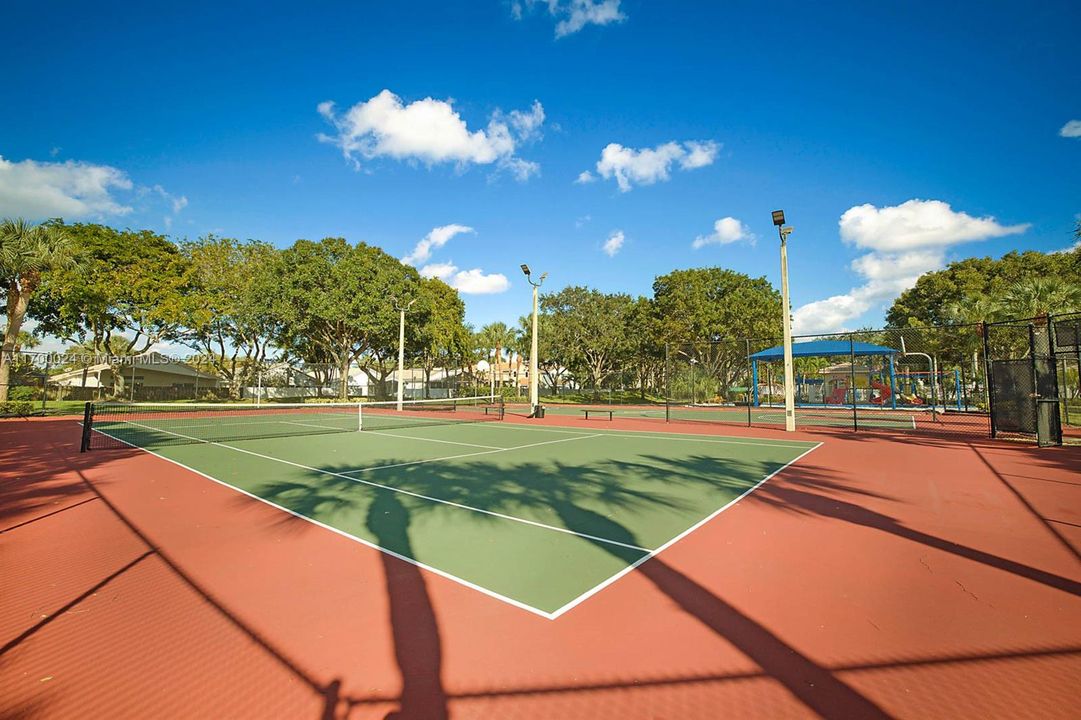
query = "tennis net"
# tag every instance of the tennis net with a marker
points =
(116, 425)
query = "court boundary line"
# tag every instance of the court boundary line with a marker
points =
(553, 615)
(347, 473)
(597, 588)
(348, 536)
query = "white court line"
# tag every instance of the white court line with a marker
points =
(653, 553)
(367, 543)
(346, 475)
(324, 427)
(428, 439)
(483, 590)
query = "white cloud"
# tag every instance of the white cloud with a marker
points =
(614, 243)
(650, 165)
(437, 238)
(468, 282)
(528, 124)
(76, 190)
(585, 177)
(917, 224)
(573, 14)
(579, 13)
(432, 132)
(700, 154)
(38, 190)
(1071, 129)
(438, 270)
(476, 282)
(726, 231)
(905, 241)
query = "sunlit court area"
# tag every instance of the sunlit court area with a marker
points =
(540, 360)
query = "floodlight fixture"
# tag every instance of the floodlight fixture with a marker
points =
(778, 217)
(525, 269)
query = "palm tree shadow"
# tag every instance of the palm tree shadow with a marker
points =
(413, 625)
(584, 499)
(417, 644)
(813, 684)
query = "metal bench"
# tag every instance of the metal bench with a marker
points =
(587, 411)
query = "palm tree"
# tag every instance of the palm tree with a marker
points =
(973, 309)
(26, 252)
(497, 337)
(1039, 296)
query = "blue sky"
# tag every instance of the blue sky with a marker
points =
(895, 136)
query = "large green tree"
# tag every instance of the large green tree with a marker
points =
(27, 253)
(438, 336)
(703, 315)
(130, 283)
(334, 298)
(229, 313)
(704, 304)
(935, 295)
(588, 331)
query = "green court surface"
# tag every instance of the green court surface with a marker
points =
(834, 417)
(540, 517)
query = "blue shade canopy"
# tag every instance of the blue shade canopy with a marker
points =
(824, 348)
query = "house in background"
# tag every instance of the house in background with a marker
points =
(153, 375)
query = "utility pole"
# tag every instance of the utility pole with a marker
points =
(401, 347)
(786, 317)
(534, 378)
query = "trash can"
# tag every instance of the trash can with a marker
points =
(538, 412)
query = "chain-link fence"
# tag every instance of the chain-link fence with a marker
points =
(1018, 379)
(911, 380)
(1066, 346)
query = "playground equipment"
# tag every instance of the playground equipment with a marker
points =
(891, 385)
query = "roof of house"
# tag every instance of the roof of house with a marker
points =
(149, 360)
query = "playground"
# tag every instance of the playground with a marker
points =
(888, 378)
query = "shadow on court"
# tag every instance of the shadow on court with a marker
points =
(587, 500)
(51, 485)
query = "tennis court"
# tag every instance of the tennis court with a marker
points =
(541, 517)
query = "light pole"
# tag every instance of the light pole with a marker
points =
(786, 318)
(534, 379)
(401, 346)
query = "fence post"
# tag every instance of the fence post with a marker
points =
(852, 380)
(753, 379)
(989, 382)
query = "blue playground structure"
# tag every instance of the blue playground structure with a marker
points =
(888, 394)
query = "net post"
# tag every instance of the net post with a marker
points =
(502, 407)
(360, 417)
(88, 419)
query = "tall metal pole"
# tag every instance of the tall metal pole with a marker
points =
(534, 376)
(401, 348)
(534, 380)
(401, 356)
(786, 315)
